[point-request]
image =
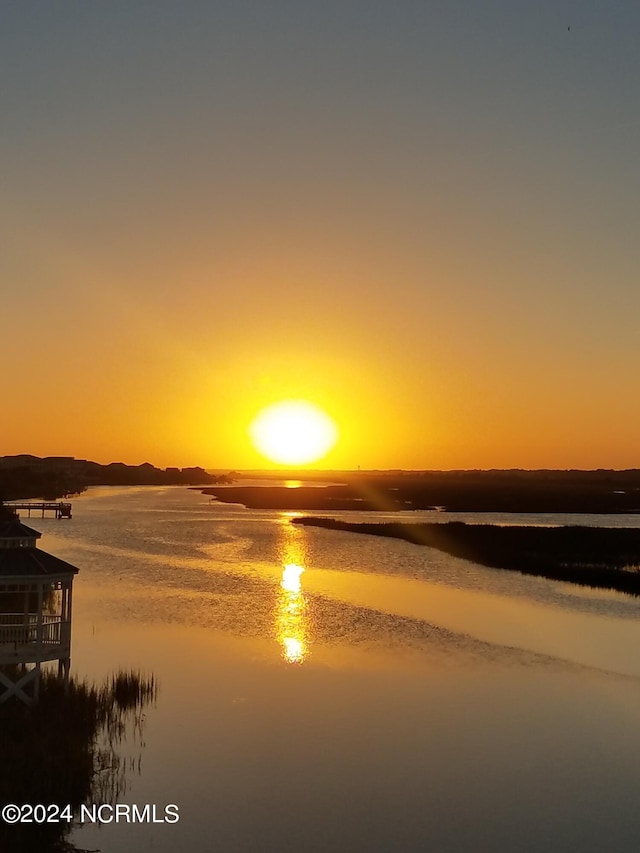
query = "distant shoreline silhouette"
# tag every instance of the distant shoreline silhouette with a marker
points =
(455, 491)
(52, 477)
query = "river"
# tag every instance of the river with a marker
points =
(320, 690)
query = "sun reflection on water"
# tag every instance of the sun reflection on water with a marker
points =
(291, 578)
(292, 484)
(291, 618)
(292, 629)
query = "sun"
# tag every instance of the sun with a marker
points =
(293, 432)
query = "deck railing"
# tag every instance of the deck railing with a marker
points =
(20, 629)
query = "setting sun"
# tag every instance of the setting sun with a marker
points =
(293, 432)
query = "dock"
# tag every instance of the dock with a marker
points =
(61, 509)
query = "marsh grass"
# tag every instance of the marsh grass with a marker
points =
(66, 749)
(600, 557)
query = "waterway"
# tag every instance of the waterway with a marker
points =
(320, 690)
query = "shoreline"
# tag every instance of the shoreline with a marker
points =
(593, 492)
(599, 557)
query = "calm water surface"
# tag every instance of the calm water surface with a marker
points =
(320, 690)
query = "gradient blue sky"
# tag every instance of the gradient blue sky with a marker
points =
(422, 216)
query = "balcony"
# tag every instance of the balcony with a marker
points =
(24, 639)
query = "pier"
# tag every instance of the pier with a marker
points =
(61, 509)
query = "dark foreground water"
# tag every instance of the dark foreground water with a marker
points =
(321, 691)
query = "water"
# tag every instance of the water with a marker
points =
(320, 690)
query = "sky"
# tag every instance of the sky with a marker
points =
(421, 216)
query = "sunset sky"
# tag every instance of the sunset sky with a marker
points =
(423, 217)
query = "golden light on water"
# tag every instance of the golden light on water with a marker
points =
(293, 432)
(294, 649)
(291, 621)
(291, 578)
(292, 632)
